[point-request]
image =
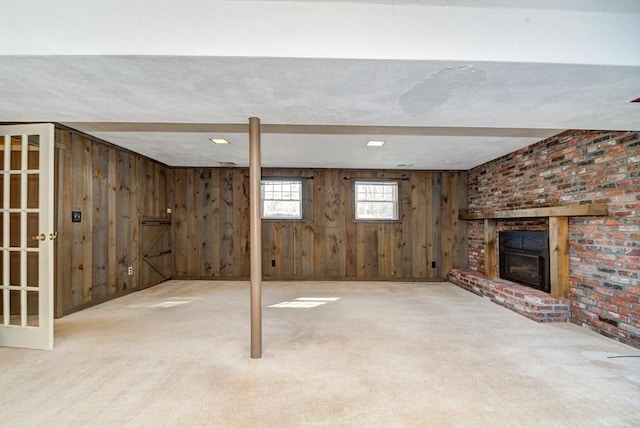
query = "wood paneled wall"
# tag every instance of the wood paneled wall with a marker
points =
(113, 189)
(211, 227)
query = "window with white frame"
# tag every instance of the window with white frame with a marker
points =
(376, 200)
(281, 199)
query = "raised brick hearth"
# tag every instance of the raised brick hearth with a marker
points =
(575, 167)
(533, 304)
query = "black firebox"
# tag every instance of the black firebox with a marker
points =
(524, 258)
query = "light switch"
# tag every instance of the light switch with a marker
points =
(76, 216)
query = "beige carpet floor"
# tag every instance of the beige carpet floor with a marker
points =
(382, 355)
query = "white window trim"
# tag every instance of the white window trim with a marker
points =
(396, 203)
(263, 200)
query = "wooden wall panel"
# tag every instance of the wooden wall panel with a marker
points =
(181, 233)
(113, 189)
(202, 201)
(240, 227)
(123, 244)
(327, 244)
(100, 241)
(226, 225)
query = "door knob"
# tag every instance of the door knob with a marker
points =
(40, 237)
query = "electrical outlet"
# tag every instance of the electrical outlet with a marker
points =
(433, 265)
(130, 270)
(273, 263)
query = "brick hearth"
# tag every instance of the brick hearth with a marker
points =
(575, 167)
(529, 302)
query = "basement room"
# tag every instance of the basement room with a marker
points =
(290, 213)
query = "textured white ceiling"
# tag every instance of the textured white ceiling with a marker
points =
(553, 75)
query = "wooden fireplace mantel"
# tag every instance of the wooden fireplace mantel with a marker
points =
(563, 211)
(558, 238)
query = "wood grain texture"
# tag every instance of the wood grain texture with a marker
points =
(112, 229)
(326, 243)
(559, 211)
(100, 221)
(112, 188)
(64, 242)
(181, 233)
(491, 248)
(78, 184)
(155, 251)
(559, 257)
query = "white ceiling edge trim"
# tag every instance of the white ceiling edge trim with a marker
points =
(318, 30)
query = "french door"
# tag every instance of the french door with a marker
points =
(26, 236)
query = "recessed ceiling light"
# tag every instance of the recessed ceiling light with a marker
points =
(219, 141)
(375, 143)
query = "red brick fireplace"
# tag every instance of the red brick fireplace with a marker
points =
(574, 168)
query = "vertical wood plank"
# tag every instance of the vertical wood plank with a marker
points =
(214, 222)
(331, 220)
(168, 201)
(491, 250)
(65, 233)
(134, 219)
(267, 246)
(559, 256)
(226, 225)
(112, 183)
(383, 253)
(447, 223)
(241, 256)
(276, 249)
(348, 229)
(165, 193)
(179, 214)
(100, 216)
(123, 231)
(206, 210)
(437, 211)
(194, 222)
(460, 251)
(149, 191)
(77, 193)
(360, 250)
(307, 250)
(289, 249)
(298, 252)
(318, 227)
(426, 177)
(418, 227)
(406, 213)
(371, 251)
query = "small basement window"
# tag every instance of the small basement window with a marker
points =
(376, 200)
(281, 199)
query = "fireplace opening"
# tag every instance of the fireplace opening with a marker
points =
(524, 258)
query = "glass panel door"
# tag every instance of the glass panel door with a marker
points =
(26, 236)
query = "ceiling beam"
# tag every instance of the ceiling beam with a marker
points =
(314, 129)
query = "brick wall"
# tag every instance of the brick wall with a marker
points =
(599, 167)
